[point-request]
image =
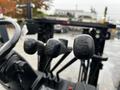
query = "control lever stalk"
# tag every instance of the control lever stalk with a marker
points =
(64, 67)
(47, 65)
(61, 60)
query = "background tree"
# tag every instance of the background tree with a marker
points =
(9, 7)
(40, 4)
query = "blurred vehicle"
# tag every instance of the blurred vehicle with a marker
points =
(58, 29)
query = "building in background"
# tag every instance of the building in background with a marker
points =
(77, 15)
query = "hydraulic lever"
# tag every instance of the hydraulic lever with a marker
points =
(47, 65)
(83, 49)
(64, 67)
(32, 45)
(54, 48)
(61, 60)
(83, 71)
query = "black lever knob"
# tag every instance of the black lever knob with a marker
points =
(31, 46)
(83, 47)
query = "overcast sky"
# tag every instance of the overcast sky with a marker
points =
(99, 5)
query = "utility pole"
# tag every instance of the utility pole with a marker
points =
(105, 13)
(76, 9)
(29, 9)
